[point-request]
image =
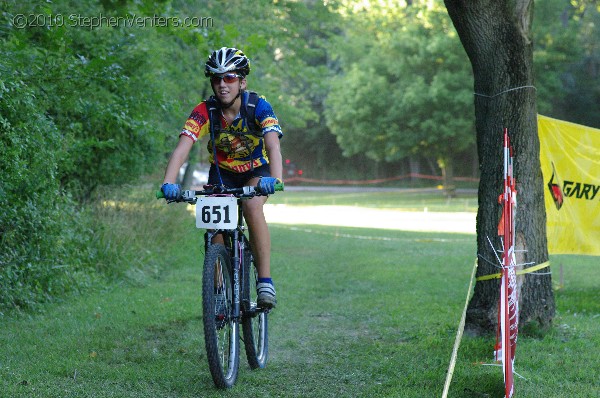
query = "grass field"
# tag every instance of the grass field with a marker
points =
(400, 199)
(362, 313)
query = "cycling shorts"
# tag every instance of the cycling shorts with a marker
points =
(236, 180)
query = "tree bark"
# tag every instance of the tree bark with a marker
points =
(497, 38)
(447, 167)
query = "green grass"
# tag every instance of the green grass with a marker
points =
(407, 200)
(362, 313)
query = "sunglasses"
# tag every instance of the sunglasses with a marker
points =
(227, 78)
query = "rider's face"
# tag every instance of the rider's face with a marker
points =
(226, 92)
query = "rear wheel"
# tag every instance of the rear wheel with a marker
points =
(254, 320)
(221, 331)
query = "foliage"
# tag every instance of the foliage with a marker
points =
(306, 68)
(73, 117)
(41, 233)
(404, 92)
(567, 60)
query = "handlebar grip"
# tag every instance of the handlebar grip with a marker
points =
(160, 195)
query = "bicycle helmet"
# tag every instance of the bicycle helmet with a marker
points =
(227, 60)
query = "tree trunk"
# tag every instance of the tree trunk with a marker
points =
(496, 37)
(414, 166)
(188, 175)
(447, 166)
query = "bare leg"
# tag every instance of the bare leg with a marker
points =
(218, 239)
(260, 239)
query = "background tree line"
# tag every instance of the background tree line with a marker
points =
(362, 89)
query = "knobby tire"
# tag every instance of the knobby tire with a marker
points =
(221, 333)
(254, 324)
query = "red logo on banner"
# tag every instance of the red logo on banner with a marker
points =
(555, 190)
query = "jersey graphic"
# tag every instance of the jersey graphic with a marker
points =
(237, 149)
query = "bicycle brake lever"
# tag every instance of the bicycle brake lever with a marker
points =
(249, 190)
(188, 196)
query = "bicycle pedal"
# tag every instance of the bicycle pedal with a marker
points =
(264, 310)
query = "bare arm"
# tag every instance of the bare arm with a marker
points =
(274, 154)
(178, 158)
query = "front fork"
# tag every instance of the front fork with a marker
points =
(237, 262)
(234, 243)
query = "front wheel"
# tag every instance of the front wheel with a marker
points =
(254, 320)
(221, 330)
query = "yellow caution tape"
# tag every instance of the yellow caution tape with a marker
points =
(519, 272)
(459, 334)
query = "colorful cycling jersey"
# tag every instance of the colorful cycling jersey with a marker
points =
(238, 150)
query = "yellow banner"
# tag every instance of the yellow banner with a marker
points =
(570, 158)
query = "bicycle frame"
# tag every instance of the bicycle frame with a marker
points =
(235, 246)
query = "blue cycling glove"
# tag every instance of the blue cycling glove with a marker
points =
(171, 191)
(266, 185)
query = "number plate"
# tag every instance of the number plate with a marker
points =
(216, 212)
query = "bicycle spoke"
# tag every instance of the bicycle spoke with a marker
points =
(254, 323)
(220, 329)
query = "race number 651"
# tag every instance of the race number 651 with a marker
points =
(216, 212)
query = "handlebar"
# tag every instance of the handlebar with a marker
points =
(243, 192)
